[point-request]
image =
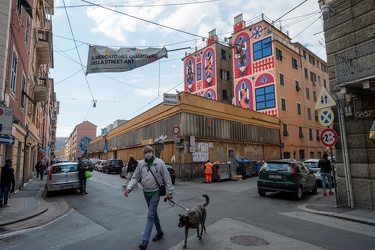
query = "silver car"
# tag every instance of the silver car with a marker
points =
(63, 176)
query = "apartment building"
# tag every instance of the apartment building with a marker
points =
(259, 68)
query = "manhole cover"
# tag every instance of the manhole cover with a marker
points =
(248, 240)
(14, 237)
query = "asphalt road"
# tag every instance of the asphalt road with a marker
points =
(238, 218)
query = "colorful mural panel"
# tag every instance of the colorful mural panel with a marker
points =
(190, 83)
(209, 68)
(265, 78)
(242, 55)
(210, 94)
(243, 94)
(264, 64)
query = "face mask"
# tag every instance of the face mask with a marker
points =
(148, 156)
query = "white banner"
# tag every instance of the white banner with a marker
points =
(104, 59)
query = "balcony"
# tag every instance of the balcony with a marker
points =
(40, 93)
(43, 45)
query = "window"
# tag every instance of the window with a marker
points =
(283, 104)
(285, 129)
(265, 97)
(199, 71)
(319, 80)
(306, 74)
(282, 79)
(19, 8)
(262, 49)
(304, 54)
(225, 94)
(294, 63)
(223, 54)
(300, 132)
(23, 86)
(310, 134)
(312, 76)
(224, 74)
(312, 59)
(324, 83)
(307, 93)
(27, 32)
(324, 68)
(314, 95)
(299, 109)
(317, 135)
(14, 72)
(279, 54)
(298, 88)
(309, 113)
(317, 63)
(316, 114)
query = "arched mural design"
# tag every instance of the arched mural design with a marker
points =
(242, 54)
(209, 68)
(210, 94)
(190, 85)
(264, 79)
(243, 94)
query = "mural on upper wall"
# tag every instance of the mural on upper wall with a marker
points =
(265, 95)
(242, 55)
(210, 94)
(243, 94)
(190, 85)
(209, 68)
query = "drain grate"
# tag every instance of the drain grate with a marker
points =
(14, 237)
(248, 240)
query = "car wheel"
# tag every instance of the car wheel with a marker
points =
(315, 189)
(261, 192)
(299, 193)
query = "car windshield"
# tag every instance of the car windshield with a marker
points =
(65, 168)
(311, 164)
(115, 162)
(277, 166)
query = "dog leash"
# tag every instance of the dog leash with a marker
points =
(172, 203)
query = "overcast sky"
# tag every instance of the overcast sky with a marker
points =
(175, 24)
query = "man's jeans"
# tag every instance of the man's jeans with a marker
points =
(152, 216)
(4, 193)
(83, 185)
(328, 176)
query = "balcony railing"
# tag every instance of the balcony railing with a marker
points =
(44, 45)
(40, 93)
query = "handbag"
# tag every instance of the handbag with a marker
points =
(162, 188)
(87, 174)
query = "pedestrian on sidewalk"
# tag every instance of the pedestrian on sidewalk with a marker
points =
(7, 182)
(37, 168)
(42, 168)
(132, 165)
(208, 171)
(82, 177)
(152, 172)
(325, 172)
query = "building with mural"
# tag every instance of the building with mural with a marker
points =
(259, 68)
(77, 144)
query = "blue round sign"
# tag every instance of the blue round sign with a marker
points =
(326, 117)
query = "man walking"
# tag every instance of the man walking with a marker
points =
(7, 183)
(132, 165)
(325, 172)
(152, 172)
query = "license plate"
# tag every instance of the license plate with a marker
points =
(67, 187)
(274, 176)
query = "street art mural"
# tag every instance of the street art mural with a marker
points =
(243, 94)
(209, 68)
(190, 82)
(242, 55)
(265, 96)
(210, 94)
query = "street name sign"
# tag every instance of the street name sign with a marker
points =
(5, 139)
(6, 120)
(329, 137)
(325, 100)
(170, 99)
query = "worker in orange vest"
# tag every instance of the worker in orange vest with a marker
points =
(208, 171)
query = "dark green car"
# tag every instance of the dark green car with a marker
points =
(289, 176)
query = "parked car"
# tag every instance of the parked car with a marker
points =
(313, 164)
(171, 171)
(63, 176)
(124, 171)
(113, 165)
(99, 165)
(286, 176)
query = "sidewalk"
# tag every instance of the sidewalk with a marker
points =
(28, 203)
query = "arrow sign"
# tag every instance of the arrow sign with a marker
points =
(325, 100)
(6, 140)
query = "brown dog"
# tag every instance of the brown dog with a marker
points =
(193, 218)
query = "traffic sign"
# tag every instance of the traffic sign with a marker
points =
(325, 100)
(5, 139)
(326, 117)
(329, 137)
(176, 132)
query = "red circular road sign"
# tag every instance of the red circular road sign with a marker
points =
(176, 130)
(329, 137)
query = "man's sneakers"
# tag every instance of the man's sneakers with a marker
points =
(158, 236)
(325, 194)
(331, 193)
(143, 246)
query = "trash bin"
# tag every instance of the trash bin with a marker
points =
(250, 167)
(241, 169)
(220, 171)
